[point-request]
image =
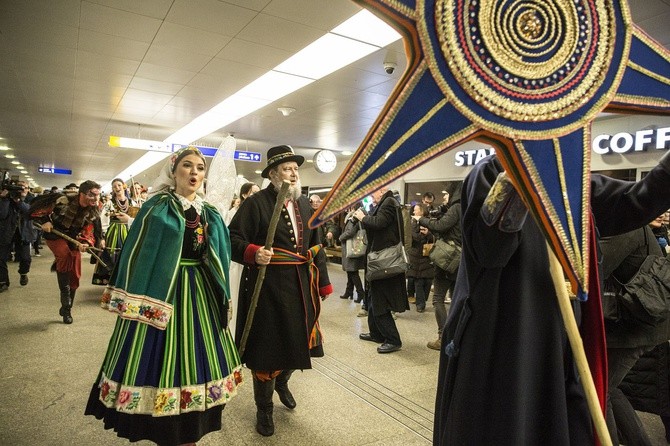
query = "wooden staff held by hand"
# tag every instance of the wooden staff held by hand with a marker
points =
(269, 240)
(48, 227)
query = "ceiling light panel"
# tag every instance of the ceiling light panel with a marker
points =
(367, 27)
(325, 56)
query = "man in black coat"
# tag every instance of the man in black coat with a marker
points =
(285, 331)
(390, 294)
(507, 375)
(15, 231)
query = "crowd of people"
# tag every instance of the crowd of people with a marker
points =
(175, 359)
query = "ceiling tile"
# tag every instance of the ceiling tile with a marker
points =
(321, 14)
(152, 85)
(64, 12)
(93, 61)
(152, 8)
(59, 61)
(118, 23)
(279, 33)
(228, 74)
(161, 73)
(210, 15)
(175, 58)
(252, 53)
(116, 46)
(37, 34)
(255, 5)
(188, 39)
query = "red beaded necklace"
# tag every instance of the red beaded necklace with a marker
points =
(193, 223)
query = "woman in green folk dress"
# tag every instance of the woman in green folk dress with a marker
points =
(171, 364)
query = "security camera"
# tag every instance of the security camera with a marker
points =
(389, 67)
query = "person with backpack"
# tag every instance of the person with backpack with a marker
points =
(388, 294)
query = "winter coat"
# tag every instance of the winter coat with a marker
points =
(285, 331)
(382, 229)
(622, 256)
(420, 266)
(13, 215)
(355, 263)
(507, 376)
(447, 227)
(647, 385)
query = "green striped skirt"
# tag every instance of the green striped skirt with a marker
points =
(174, 378)
(114, 239)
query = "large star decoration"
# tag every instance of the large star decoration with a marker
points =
(526, 76)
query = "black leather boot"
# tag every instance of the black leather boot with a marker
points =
(281, 387)
(65, 302)
(263, 392)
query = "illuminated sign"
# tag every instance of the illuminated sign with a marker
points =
(254, 157)
(639, 141)
(54, 170)
(141, 144)
(472, 157)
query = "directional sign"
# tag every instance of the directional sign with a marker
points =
(157, 146)
(54, 170)
(254, 157)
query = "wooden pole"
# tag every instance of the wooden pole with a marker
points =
(269, 240)
(578, 348)
(89, 249)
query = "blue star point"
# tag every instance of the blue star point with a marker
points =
(478, 69)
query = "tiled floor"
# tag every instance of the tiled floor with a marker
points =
(352, 396)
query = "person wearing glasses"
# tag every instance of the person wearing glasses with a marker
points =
(78, 217)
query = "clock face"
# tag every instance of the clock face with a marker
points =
(325, 161)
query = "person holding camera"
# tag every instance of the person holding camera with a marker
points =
(388, 294)
(445, 223)
(15, 231)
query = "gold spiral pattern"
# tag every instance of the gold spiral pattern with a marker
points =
(526, 60)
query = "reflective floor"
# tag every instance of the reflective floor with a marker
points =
(352, 396)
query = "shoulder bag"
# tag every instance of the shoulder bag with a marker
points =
(388, 262)
(446, 255)
(646, 297)
(357, 246)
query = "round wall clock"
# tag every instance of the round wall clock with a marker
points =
(325, 161)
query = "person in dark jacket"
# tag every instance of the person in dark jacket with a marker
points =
(421, 270)
(390, 294)
(507, 375)
(285, 332)
(15, 231)
(448, 228)
(627, 338)
(352, 265)
(647, 384)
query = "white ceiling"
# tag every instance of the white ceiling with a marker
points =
(74, 72)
